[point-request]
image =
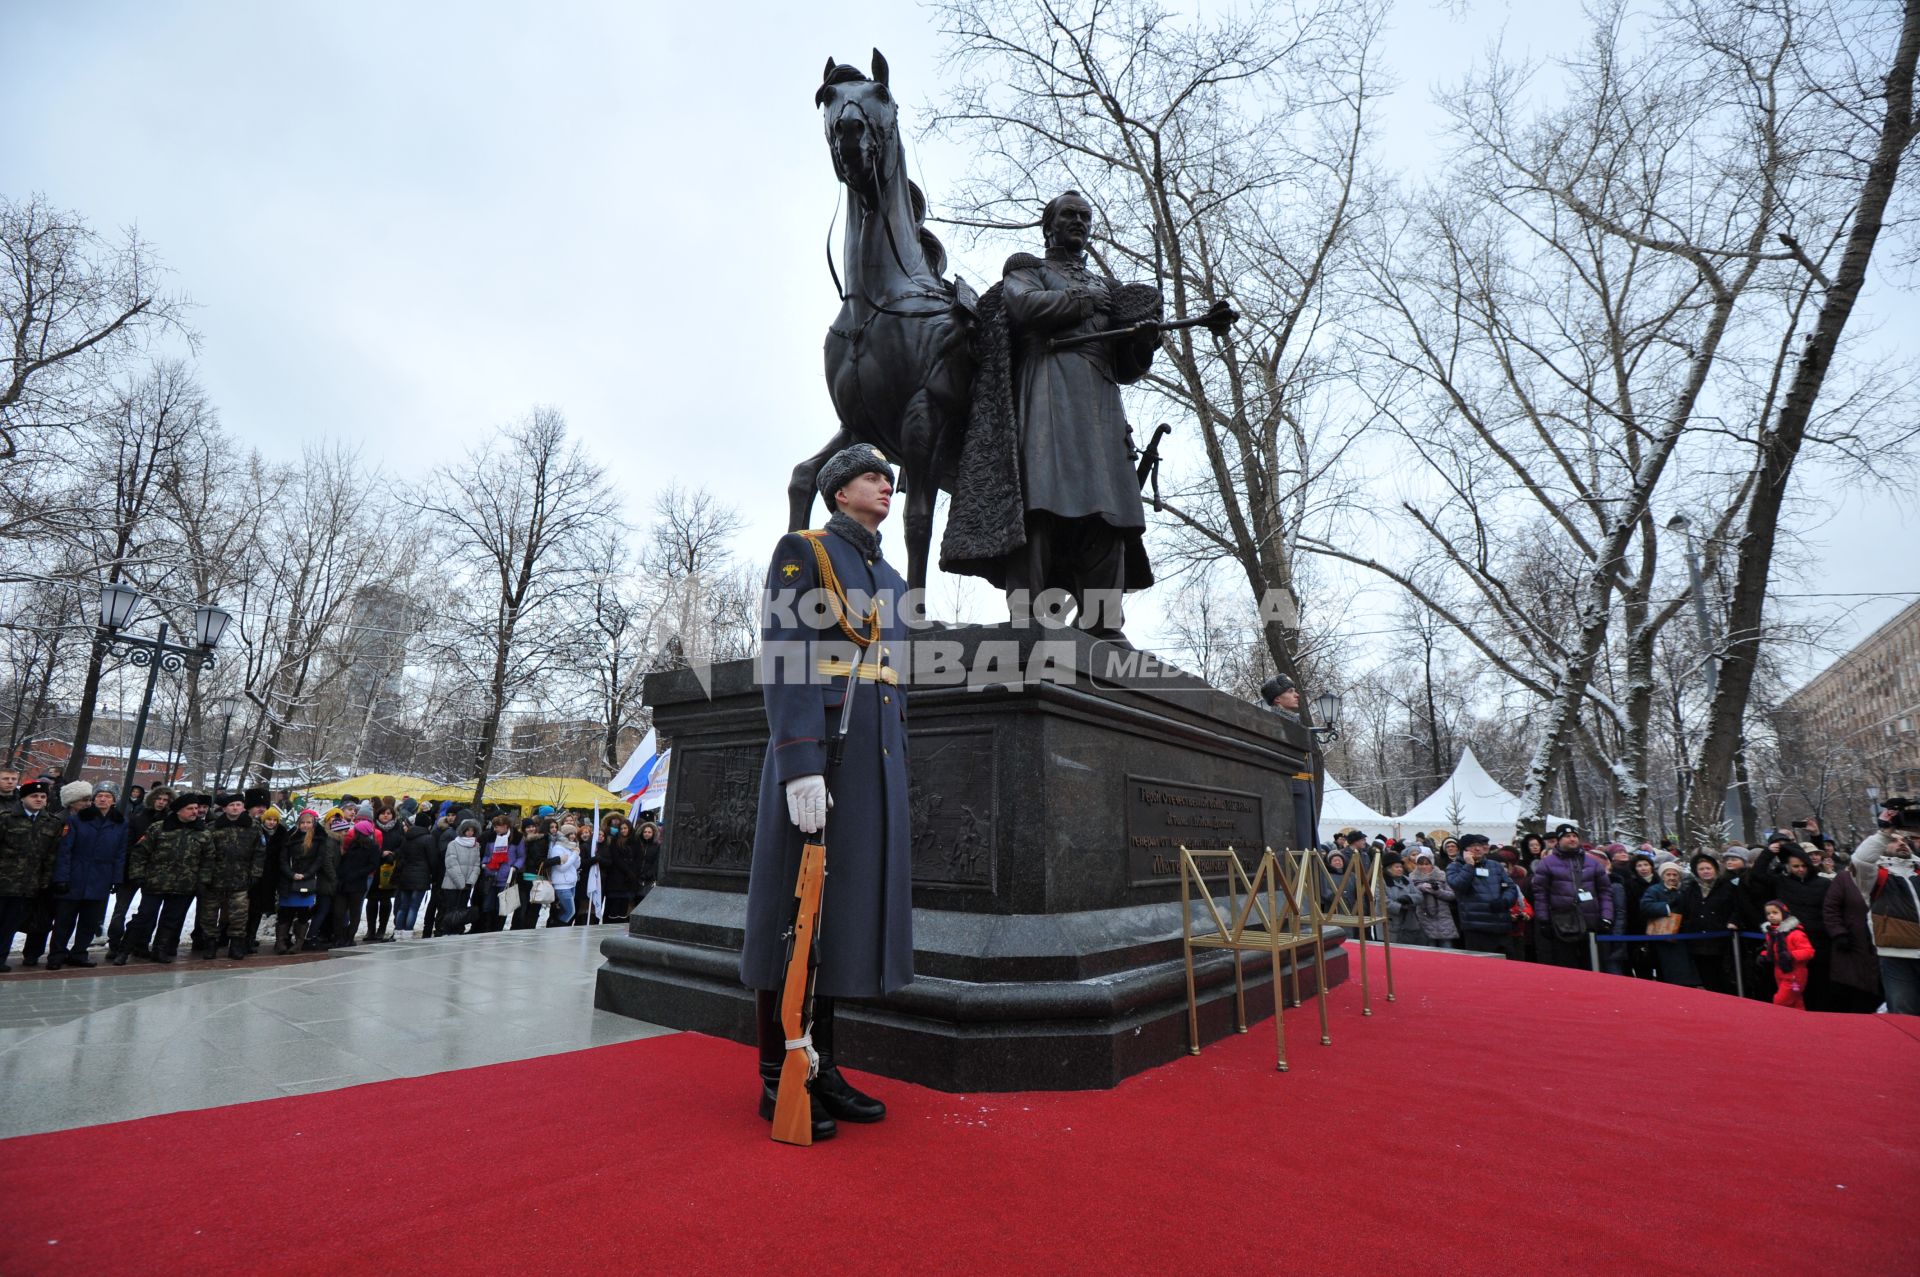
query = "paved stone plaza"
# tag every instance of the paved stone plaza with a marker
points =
(103, 1047)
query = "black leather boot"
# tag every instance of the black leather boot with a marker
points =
(773, 1055)
(237, 950)
(830, 1088)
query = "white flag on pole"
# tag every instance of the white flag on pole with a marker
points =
(596, 902)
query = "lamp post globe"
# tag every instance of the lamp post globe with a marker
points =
(209, 625)
(118, 602)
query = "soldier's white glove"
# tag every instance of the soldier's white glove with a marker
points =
(808, 802)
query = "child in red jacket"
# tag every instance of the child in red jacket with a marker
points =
(1788, 951)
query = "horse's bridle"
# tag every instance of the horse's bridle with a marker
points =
(877, 164)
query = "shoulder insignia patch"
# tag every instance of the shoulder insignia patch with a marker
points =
(789, 570)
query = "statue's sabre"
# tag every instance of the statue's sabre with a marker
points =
(1219, 318)
(1149, 467)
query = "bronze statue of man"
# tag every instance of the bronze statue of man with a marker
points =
(1050, 500)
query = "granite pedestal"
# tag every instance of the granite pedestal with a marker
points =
(1054, 779)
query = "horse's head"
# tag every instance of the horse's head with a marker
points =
(862, 126)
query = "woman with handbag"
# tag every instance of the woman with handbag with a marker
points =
(536, 836)
(562, 873)
(502, 857)
(1641, 876)
(1660, 906)
(306, 859)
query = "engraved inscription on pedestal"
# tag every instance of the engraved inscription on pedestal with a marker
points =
(1165, 815)
(716, 804)
(951, 804)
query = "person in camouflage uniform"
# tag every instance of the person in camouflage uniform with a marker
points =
(236, 860)
(168, 865)
(29, 839)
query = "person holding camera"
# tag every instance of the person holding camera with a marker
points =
(1486, 895)
(1883, 869)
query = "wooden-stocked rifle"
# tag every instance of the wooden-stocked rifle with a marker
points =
(793, 1103)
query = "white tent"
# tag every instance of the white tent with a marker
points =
(1469, 802)
(1341, 810)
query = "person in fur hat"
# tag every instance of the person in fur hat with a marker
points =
(1788, 951)
(91, 858)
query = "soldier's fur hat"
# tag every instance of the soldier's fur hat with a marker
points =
(848, 464)
(1274, 686)
(33, 787)
(192, 798)
(78, 791)
(232, 796)
(257, 796)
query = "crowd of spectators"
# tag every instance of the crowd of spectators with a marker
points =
(1801, 922)
(76, 864)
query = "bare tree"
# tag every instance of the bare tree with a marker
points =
(127, 456)
(521, 519)
(74, 306)
(1226, 156)
(1594, 304)
(1870, 154)
(315, 543)
(700, 597)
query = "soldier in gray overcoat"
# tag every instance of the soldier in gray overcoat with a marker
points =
(866, 930)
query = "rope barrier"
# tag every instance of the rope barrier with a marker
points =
(1680, 935)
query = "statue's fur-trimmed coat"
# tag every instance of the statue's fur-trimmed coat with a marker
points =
(986, 518)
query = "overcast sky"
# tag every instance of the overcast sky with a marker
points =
(403, 224)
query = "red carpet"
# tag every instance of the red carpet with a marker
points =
(1498, 1118)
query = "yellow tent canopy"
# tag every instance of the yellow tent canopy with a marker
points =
(375, 785)
(529, 792)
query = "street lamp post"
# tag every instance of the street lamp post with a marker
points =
(1326, 709)
(227, 706)
(1709, 636)
(118, 604)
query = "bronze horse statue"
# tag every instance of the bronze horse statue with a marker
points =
(899, 366)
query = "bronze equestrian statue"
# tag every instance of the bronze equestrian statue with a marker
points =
(898, 357)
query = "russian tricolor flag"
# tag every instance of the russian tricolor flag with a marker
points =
(633, 777)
